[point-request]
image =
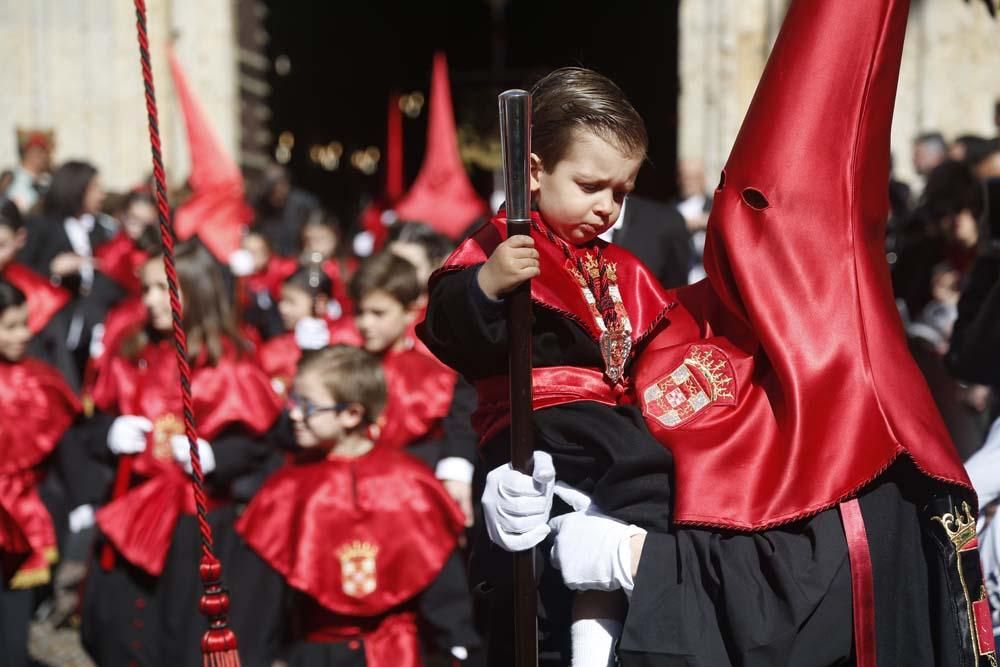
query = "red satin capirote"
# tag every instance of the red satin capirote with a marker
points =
(120, 260)
(442, 194)
(556, 289)
(798, 294)
(36, 407)
(216, 211)
(233, 393)
(305, 514)
(419, 390)
(44, 299)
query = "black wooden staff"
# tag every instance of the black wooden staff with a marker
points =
(515, 138)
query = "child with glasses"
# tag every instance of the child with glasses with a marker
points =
(363, 536)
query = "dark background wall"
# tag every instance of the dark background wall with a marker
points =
(347, 57)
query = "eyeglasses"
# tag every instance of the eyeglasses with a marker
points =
(310, 409)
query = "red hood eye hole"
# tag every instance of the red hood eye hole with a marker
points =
(755, 199)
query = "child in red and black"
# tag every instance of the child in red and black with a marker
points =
(140, 602)
(303, 306)
(594, 307)
(36, 409)
(363, 535)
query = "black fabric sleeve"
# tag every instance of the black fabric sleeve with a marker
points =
(84, 464)
(460, 439)
(463, 327)
(446, 608)
(242, 462)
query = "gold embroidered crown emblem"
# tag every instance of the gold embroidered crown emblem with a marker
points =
(593, 269)
(714, 371)
(960, 526)
(357, 550)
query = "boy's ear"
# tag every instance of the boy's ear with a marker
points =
(534, 169)
(352, 416)
(415, 309)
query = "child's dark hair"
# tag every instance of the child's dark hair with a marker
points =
(437, 246)
(10, 296)
(312, 280)
(574, 98)
(10, 216)
(351, 375)
(387, 273)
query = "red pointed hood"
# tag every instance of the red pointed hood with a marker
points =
(806, 345)
(217, 211)
(442, 194)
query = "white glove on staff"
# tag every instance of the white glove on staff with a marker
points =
(593, 551)
(312, 333)
(128, 434)
(182, 454)
(516, 506)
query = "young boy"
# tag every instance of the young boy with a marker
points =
(360, 533)
(388, 294)
(594, 307)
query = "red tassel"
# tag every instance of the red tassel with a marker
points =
(218, 648)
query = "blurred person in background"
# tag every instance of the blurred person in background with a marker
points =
(31, 177)
(282, 210)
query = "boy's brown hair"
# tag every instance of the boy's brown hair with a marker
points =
(351, 375)
(572, 98)
(387, 273)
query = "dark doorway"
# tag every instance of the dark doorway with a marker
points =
(347, 57)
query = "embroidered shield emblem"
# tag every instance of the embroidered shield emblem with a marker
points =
(358, 568)
(164, 428)
(704, 378)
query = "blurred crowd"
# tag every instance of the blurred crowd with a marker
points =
(87, 264)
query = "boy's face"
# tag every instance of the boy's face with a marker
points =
(315, 421)
(139, 216)
(581, 195)
(10, 243)
(319, 239)
(14, 332)
(294, 305)
(156, 295)
(382, 321)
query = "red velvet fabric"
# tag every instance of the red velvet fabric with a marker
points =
(442, 194)
(44, 299)
(798, 298)
(36, 407)
(233, 393)
(360, 536)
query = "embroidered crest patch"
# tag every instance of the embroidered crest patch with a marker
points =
(704, 378)
(358, 568)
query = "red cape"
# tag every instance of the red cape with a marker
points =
(360, 536)
(419, 390)
(120, 260)
(785, 384)
(234, 392)
(279, 356)
(36, 407)
(44, 299)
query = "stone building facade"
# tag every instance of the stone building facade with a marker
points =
(948, 80)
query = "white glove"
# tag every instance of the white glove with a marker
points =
(81, 518)
(593, 550)
(182, 454)
(312, 333)
(516, 506)
(241, 263)
(128, 434)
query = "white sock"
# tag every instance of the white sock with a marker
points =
(594, 641)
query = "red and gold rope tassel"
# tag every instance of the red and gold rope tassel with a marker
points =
(218, 645)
